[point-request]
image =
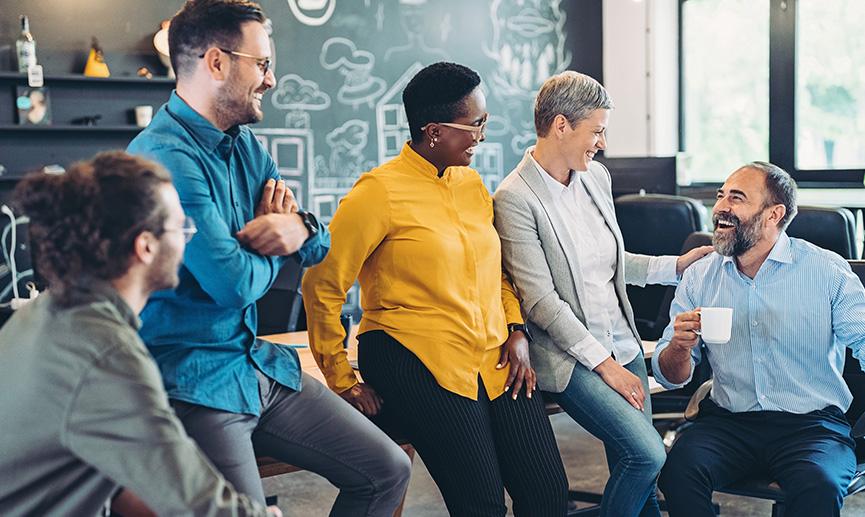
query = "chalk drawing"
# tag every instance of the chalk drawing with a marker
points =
(355, 65)
(528, 44)
(297, 96)
(391, 125)
(413, 19)
(293, 151)
(312, 12)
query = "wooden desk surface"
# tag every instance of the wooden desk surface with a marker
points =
(307, 363)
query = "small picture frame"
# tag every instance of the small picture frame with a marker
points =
(34, 106)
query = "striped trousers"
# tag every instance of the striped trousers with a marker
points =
(472, 449)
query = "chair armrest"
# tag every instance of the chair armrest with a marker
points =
(693, 408)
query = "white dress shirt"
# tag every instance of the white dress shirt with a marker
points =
(596, 255)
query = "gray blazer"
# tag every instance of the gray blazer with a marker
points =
(542, 262)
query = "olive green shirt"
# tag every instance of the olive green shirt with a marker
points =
(83, 412)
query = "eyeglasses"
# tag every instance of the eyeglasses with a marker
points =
(188, 229)
(476, 131)
(264, 63)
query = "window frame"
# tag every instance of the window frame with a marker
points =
(782, 103)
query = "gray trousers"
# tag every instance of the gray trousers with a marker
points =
(314, 429)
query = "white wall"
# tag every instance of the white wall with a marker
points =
(641, 74)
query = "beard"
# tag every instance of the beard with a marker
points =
(744, 236)
(163, 272)
(234, 106)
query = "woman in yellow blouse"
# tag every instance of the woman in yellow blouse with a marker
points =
(441, 345)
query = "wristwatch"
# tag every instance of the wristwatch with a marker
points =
(513, 327)
(310, 222)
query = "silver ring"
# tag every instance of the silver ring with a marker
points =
(633, 393)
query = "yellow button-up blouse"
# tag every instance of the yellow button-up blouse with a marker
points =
(428, 261)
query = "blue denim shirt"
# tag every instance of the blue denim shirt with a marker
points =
(791, 323)
(202, 334)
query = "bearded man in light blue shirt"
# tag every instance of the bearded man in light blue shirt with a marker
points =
(778, 399)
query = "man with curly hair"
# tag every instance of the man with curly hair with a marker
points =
(83, 407)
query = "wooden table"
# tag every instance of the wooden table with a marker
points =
(300, 341)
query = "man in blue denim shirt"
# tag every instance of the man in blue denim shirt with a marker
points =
(778, 398)
(236, 395)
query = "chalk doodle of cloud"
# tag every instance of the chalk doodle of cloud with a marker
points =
(413, 19)
(347, 145)
(298, 96)
(312, 12)
(528, 45)
(497, 126)
(520, 143)
(359, 86)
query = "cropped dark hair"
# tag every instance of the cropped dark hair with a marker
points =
(780, 190)
(83, 223)
(437, 94)
(201, 24)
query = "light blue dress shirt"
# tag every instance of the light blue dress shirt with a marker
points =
(202, 334)
(791, 323)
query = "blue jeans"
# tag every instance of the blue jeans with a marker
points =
(635, 453)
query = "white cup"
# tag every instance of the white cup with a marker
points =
(143, 115)
(716, 323)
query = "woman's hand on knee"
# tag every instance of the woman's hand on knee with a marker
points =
(364, 398)
(626, 384)
(515, 352)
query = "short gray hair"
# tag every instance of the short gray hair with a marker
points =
(570, 94)
(780, 189)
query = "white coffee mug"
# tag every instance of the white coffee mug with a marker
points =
(716, 324)
(143, 115)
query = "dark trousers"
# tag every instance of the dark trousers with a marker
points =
(472, 449)
(810, 456)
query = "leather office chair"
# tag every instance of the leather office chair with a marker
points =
(764, 488)
(830, 228)
(668, 407)
(281, 308)
(655, 224)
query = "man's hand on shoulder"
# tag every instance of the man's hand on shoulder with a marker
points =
(274, 233)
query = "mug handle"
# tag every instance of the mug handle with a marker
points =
(698, 310)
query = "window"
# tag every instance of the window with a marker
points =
(725, 68)
(830, 85)
(777, 80)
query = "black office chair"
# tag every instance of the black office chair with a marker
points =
(763, 488)
(281, 308)
(668, 407)
(830, 228)
(655, 224)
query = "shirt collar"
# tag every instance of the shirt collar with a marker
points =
(419, 163)
(781, 251)
(552, 183)
(93, 290)
(207, 135)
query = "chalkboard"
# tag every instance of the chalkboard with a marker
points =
(341, 67)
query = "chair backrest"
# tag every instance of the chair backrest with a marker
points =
(695, 240)
(832, 228)
(280, 309)
(655, 224)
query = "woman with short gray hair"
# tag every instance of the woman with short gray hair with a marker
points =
(563, 249)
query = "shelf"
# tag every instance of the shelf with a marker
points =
(75, 78)
(70, 128)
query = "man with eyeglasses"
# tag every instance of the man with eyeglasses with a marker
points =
(236, 395)
(83, 407)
